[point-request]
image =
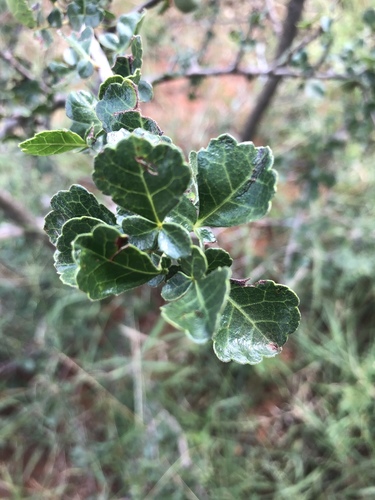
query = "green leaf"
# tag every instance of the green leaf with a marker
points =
(198, 310)
(123, 66)
(128, 26)
(85, 68)
(52, 142)
(55, 18)
(174, 240)
(142, 174)
(145, 91)
(108, 265)
(217, 257)
(80, 107)
(81, 12)
(112, 79)
(196, 264)
(205, 234)
(77, 202)
(184, 214)
(176, 287)
(131, 120)
(235, 182)
(64, 262)
(117, 98)
(256, 322)
(109, 41)
(141, 232)
(22, 12)
(137, 53)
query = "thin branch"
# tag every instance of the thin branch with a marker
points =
(8, 57)
(289, 32)
(148, 5)
(250, 73)
(17, 213)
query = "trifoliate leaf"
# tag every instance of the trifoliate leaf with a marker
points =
(22, 12)
(142, 233)
(108, 264)
(256, 322)
(198, 311)
(77, 202)
(52, 142)
(217, 257)
(235, 182)
(143, 174)
(174, 240)
(195, 265)
(64, 262)
(118, 97)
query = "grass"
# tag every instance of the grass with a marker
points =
(105, 401)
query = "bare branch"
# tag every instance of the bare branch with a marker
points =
(8, 57)
(289, 32)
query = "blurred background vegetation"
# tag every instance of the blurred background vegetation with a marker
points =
(104, 400)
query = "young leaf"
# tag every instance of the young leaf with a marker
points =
(137, 52)
(217, 257)
(142, 174)
(52, 142)
(64, 262)
(108, 265)
(118, 97)
(176, 287)
(22, 12)
(235, 182)
(128, 26)
(80, 107)
(198, 310)
(77, 202)
(131, 120)
(195, 265)
(112, 79)
(256, 322)
(174, 240)
(141, 232)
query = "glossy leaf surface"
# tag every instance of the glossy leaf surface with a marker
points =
(76, 202)
(198, 311)
(256, 322)
(64, 262)
(143, 174)
(174, 240)
(108, 265)
(118, 97)
(52, 142)
(235, 182)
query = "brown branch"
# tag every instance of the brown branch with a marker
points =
(16, 213)
(289, 32)
(148, 5)
(8, 57)
(249, 73)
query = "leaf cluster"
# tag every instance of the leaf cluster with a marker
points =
(166, 207)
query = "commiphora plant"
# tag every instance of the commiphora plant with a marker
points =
(161, 232)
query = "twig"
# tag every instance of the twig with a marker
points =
(16, 212)
(250, 73)
(147, 5)
(7, 56)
